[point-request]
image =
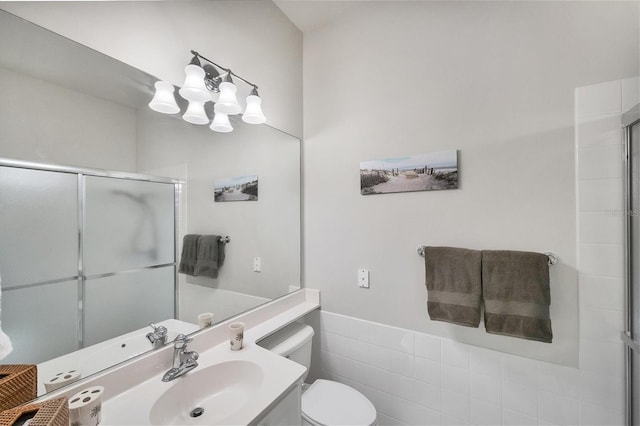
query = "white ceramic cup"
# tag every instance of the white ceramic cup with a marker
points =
(236, 334)
(205, 319)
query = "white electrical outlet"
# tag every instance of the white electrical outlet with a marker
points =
(257, 264)
(363, 278)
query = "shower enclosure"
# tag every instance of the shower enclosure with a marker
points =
(85, 255)
(631, 334)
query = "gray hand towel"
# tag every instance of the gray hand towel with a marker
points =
(516, 294)
(453, 279)
(210, 256)
(189, 254)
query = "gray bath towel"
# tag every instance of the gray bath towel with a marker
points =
(189, 254)
(516, 294)
(210, 256)
(453, 279)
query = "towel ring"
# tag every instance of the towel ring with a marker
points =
(553, 258)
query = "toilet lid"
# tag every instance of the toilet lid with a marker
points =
(331, 403)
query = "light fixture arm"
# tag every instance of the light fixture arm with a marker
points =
(227, 70)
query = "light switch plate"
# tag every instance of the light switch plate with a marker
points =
(363, 278)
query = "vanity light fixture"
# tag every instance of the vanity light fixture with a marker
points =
(164, 101)
(195, 113)
(220, 121)
(228, 102)
(193, 88)
(253, 113)
(209, 83)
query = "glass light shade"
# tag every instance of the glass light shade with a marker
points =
(227, 102)
(163, 101)
(220, 122)
(193, 88)
(253, 114)
(195, 113)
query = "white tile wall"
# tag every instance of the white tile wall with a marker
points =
(600, 165)
(484, 387)
(630, 93)
(600, 195)
(415, 378)
(601, 292)
(599, 100)
(601, 228)
(601, 162)
(604, 131)
(450, 383)
(598, 415)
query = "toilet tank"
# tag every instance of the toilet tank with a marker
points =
(293, 342)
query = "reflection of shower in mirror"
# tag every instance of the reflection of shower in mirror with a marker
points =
(145, 239)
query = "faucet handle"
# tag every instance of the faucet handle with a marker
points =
(192, 356)
(181, 341)
(161, 330)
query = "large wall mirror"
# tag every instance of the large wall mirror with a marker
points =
(96, 194)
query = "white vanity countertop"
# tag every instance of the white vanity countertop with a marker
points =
(132, 388)
(135, 406)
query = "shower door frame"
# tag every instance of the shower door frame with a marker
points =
(81, 172)
(629, 119)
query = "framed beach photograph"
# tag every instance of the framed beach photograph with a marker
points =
(422, 172)
(240, 188)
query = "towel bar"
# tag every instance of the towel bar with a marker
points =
(225, 240)
(553, 258)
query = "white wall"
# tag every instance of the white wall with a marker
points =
(253, 38)
(417, 378)
(421, 379)
(45, 122)
(495, 80)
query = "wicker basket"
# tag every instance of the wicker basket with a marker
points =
(49, 413)
(19, 385)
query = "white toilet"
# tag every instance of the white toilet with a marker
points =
(325, 402)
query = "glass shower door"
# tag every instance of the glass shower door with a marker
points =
(631, 336)
(39, 263)
(129, 255)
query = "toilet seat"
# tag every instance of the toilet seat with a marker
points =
(326, 403)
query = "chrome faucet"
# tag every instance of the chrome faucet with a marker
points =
(183, 360)
(158, 337)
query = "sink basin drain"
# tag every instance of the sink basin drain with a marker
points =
(196, 412)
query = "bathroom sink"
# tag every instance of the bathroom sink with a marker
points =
(208, 396)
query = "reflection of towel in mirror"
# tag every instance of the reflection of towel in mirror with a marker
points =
(5, 343)
(516, 294)
(189, 254)
(210, 256)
